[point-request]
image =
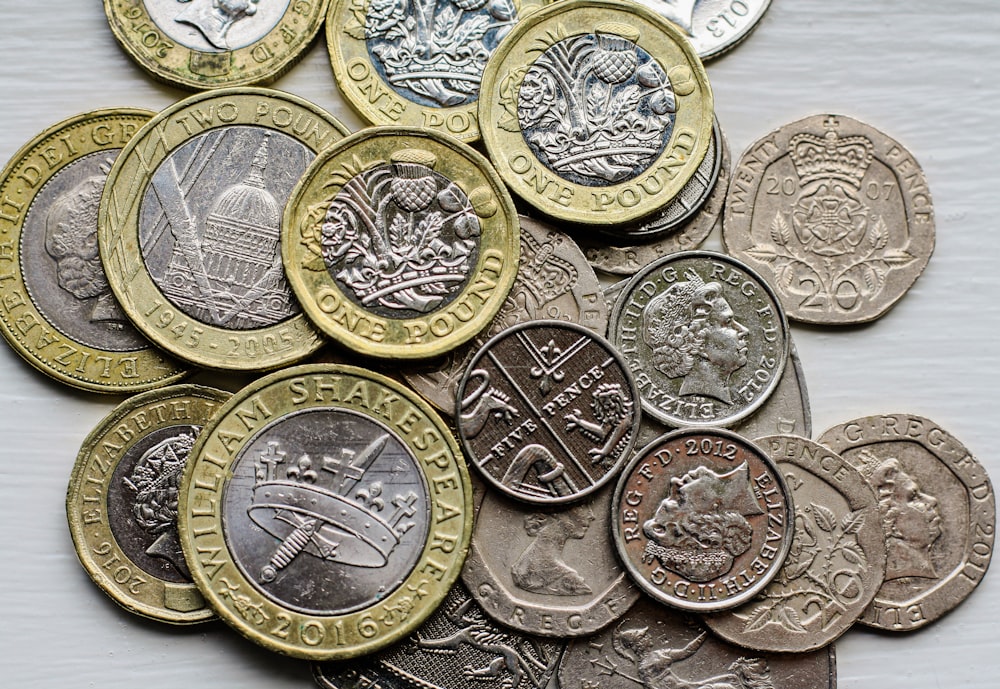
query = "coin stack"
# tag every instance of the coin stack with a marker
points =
(471, 456)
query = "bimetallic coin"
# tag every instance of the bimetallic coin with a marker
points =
(713, 26)
(122, 501)
(547, 571)
(835, 214)
(190, 226)
(204, 44)
(836, 562)
(400, 243)
(326, 512)
(596, 112)
(681, 226)
(554, 281)
(938, 514)
(702, 520)
(56, 307)
(704, 336)
(547, 412)
(418, 65)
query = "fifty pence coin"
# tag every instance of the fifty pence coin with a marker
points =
(547, 571)
(713, 26)
(704, 336)
(401, 243)
(190, 226)
(554, 281)
(938, 514)
(596, 112)
(702, 520)
(547, 412)
(58, 311)
(122, 501)
(204, 44)
(835, 214)
(326, 512)
(836, 562)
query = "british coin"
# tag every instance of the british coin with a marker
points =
(554, 281)
(714, 27)
(938, 514)
(835, 214)
(544, 571)
(204, 44)
(400, 243)
(459, 647)
(326, 512)
(702, 519)
(705, 337)
(836, 562)
(547, 412)
(596, 112)
(190, 226)
(56, 307)
(122, 501)
(654, 647)
(418, 65)
(681, 226)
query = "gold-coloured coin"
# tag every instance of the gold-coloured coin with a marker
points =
(596, 112)
(205, 44)
(414, 65)
(122, 501)
(189, 226)
(56, 307)
(326, 513)
(400, 242)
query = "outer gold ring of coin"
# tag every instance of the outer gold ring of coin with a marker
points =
(241, 602)
(167, 59)
(90, 513)
(556, 196)
(28, 330)
(144, 302)
(324, 297)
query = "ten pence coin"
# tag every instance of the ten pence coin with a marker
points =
(713, 26)
(59, 312)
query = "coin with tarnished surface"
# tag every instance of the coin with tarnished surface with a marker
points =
(654, 647)
(57, 310)
(418, 65)
(547, 571)
(190, 226)
(704, 336)
(547, 412)
(459, 647)
(836, 562)
(400, 243)
(554, 281)
(596, 112)
(204, 44)
(835, 214)
(326, 512)
(938, 514)
(122, 501)
(684, 224)
(713, 26)
(702, 520)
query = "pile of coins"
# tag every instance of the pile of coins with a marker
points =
(326, 511)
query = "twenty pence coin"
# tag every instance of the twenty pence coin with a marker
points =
(122, 501)
(326, 512)
(190, 226)
(713, 26)
(58, 311)
(400, 243)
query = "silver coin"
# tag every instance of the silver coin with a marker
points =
(938, 513)
(554, 281)
(836, 562)
(549, 572)
(713, 26)
(214, 27)
(705, 337)
(547, 412)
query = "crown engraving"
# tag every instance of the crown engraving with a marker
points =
(831, 157)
